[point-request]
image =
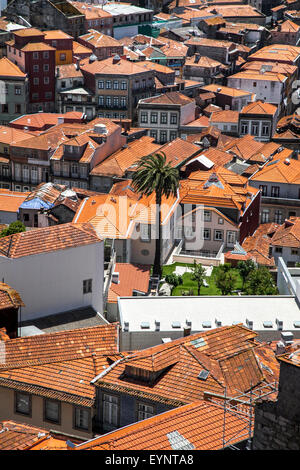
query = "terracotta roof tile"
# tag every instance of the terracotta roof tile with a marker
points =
(200, 423)
(9, 69)
(222, 352)
(47, 239)
(132, 277)
(17, 436)
(10, 201)
(9, 297)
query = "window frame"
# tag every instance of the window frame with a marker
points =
(29, 414)
(47, 419)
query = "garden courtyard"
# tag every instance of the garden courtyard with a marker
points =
(189, 287)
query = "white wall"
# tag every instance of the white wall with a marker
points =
(52, 282)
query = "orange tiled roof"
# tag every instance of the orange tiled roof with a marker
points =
(224, 90)
(244, 147)
(47, 239)
(200, 423)
(9, 297)
(131, 277)
(56, 34)
(98, 39)
(227, 353)
(281, 169)
(59, 365)
(123, 159)
(259, 107)
(10, 201)
(225, 116)
(10, 136)
(9, 69)
(17, 436)
(107, 66)
(173, 97)
(277, 53)
(203, 61)
(258, 245)
(287, 234)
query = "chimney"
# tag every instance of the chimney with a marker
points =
(280, 348)
(60, 120)
(186, 331)
(287, 338)
(115, 278)
(57, 72)
(116, 59)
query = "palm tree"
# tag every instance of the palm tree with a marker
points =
(153, 174)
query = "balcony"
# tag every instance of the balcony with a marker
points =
(279, 201)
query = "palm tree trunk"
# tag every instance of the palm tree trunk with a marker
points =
(157, 258)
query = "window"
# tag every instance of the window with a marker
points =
(275, 191)
(265, 129)
(46, 55)
(110, 410)
(265, 216)
(173, 119)
(244, 127)
(62, 57)
(87, 286)
(101, 100)
(18, 109)
(218, 235)
(35, 55)
(108, 84)
(116, 85)
(145, 232)
(17, 90)
(52, 411)
(46, 80)
(81, 418)
(278, 249)
(294, 252)
(153, 134)
(35, 68)
(108, 101)
(254, 128)
(231, 237)
(144, 411)
(264, 189)
(26, 217)
(116, 101)
(163, 136)
(153, 118)
(206, 234)
(23, 403)
(278, 217)
(123, 85)
(163, 118)
(123, 102)
(48, 95)
(100, 84)
(36, 81)
(144, 117)
(173, 135)
(46, 67)
(292, 214)
(220, 221)
(207, 216)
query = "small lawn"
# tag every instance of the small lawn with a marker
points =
(190, 286)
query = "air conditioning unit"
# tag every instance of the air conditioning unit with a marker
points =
(126, 325)
(189, 323)
(218, 323)
(157, 325)
(279, 324)
(249, 324)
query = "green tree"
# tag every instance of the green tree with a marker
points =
(245, 267)
(225, 280)
(14, 227)
(198, 275)
(260, 282)
(174, 280)
(153, 174)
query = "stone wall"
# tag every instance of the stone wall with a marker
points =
(272, 431)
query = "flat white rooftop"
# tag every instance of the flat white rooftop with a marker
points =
(175, 313)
